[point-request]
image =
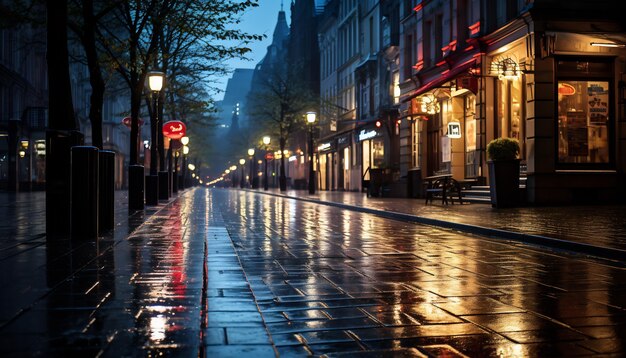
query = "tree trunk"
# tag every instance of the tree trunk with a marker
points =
(60, 108)
(62, 131)
(95, 75)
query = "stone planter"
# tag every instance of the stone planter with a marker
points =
(504, 183)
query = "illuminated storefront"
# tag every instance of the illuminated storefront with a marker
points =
(372, 150)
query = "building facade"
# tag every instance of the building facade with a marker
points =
(537, 71)
(424, 86)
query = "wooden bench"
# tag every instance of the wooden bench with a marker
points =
(443, 186)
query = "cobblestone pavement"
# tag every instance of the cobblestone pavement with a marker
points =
(331, 281)
(229, 273)
(597, 225)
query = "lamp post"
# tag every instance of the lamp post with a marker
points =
(243, 178)
(266, 141)
(155, 82)
(310, 118)
(252, 177)
(234, 175)
(183, 168)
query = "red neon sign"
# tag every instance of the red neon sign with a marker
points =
(174, 129)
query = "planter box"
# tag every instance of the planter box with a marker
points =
(504, 183)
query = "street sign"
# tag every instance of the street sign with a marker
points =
(174, 129)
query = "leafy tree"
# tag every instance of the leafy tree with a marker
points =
(195, 43)
(278, 106)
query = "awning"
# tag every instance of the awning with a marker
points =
(443, 77)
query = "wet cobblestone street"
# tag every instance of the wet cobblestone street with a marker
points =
(230, 273)
(329, 280)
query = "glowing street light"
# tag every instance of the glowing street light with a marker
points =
(266, 141)
(310, 118)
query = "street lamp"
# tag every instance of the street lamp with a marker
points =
(234, 176)
(242, 181)
(185, 142)
(266, 141)
(252, 162)
(155, 82)
(310, 118)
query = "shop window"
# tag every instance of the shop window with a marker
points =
(378, 153)
(510, 110)
(584, 122)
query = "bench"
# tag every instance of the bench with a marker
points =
(443, 186)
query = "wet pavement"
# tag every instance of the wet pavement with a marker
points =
(230, 273)
(602, 226)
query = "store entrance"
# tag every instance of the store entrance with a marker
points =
(433, 143)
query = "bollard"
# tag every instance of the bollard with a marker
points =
(163, 185)
(58, 149)
(152, 190)
(106, 186)
(170, 183)
(84, 192)
(136, 187)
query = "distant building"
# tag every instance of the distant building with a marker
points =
(23, 108)
(235, 96)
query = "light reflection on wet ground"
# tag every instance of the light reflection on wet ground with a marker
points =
(216, 270)
(601, 225)
(329, 280)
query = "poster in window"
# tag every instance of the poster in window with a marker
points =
(577, 137)
(470, 135)
(598, 102)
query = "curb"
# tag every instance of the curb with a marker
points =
(571, 246)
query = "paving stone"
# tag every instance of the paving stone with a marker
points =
(296, 278)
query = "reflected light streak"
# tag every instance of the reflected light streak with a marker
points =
(158, 326)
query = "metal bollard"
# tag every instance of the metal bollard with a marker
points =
(163, 185)
(106, 187)
(136, 187)
(152, 190)
(84, 192)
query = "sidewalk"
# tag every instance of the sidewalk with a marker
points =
(594, 230)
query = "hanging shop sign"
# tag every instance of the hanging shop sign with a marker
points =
(454, 130)
(174, 129)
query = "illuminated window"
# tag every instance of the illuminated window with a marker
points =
(585, 125)
(584, 112)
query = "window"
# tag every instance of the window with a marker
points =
(396, 87)
(408, 56)
(584, 113)
(585, 124)
(438, 43)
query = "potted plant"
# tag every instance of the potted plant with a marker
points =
(504, 172)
